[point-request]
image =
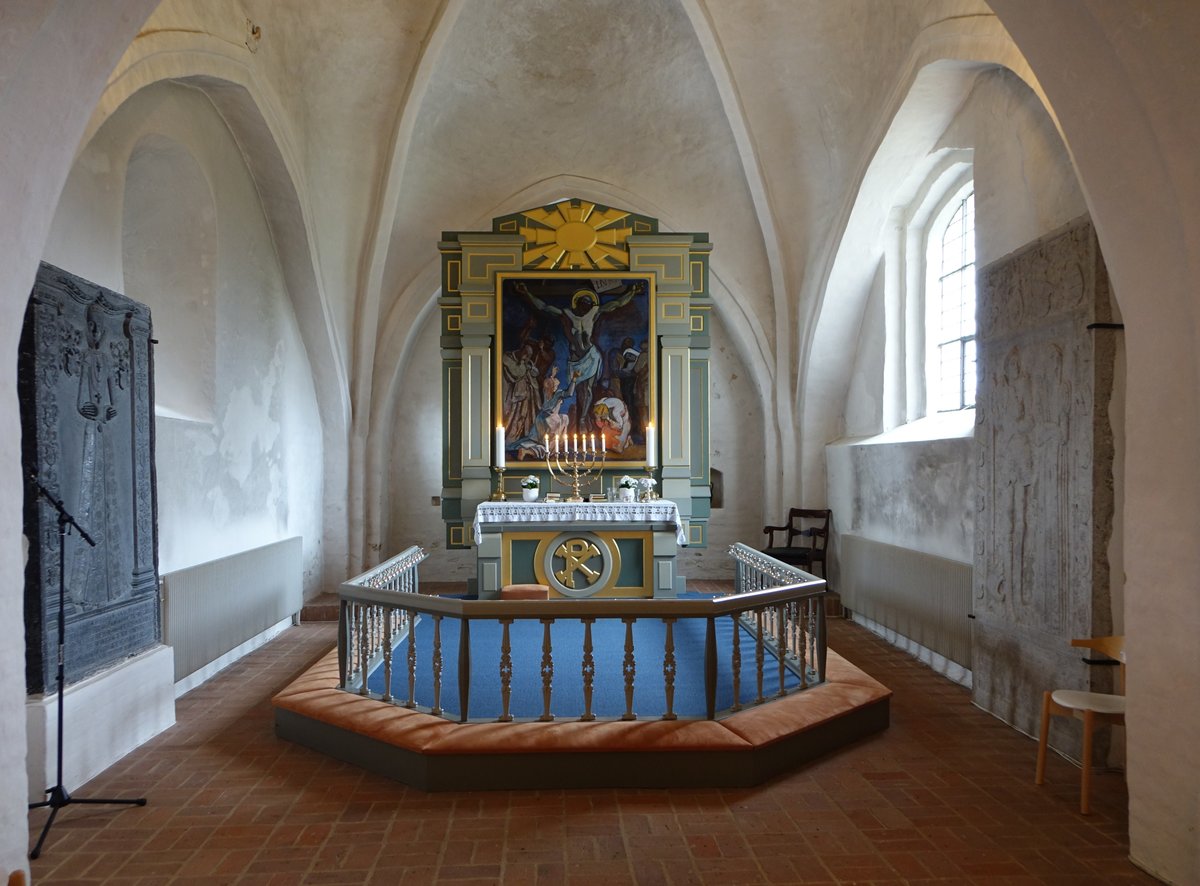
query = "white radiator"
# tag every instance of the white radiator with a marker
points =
(212, 609)
(922, 597)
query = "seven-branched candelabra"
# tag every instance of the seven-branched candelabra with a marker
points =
(571, 461)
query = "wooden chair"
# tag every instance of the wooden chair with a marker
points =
(1091, 707)
(802, 523)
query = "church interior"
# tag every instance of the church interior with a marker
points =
(317, 207)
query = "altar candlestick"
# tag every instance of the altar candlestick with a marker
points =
(499, 446)
(651, 448)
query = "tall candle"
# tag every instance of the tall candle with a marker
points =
(575, 444)
(651, 447)
(547, 444)
(499, 446)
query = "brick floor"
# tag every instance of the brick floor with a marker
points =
(945, 795)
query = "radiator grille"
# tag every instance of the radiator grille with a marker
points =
(920, 596)
(212, 608)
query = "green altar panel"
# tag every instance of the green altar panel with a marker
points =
(614, 560)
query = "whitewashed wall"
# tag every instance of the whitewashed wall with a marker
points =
(898, 488)
(247, 469)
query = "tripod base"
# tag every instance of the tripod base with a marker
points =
(59, 798)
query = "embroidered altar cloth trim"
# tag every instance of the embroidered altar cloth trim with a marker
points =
(661, 511)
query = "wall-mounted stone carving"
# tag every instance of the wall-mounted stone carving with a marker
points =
(87, 413)
(1044, 450)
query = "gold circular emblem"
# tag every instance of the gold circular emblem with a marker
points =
(575, 236)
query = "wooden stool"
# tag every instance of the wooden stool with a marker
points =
(525, 592)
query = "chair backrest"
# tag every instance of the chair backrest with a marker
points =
(817, 530)
(1113, 647)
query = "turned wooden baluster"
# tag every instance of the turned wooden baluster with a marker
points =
(669, 668)
(710, 669)
(464, 669)
(506, 671)
(363, 658)
(589, 669)
(412, 665)
(387, 656)
(547, 670)
(629, 669)
(781, 651)
(759, 658)
(436, 710)
(736, 663)
(802, 645)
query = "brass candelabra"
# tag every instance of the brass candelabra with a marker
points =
(571, 461)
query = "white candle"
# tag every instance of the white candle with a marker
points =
(547, 444)
(651, 448)
(574, 445)
(499, 446)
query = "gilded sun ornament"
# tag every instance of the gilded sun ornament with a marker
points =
(576, 235)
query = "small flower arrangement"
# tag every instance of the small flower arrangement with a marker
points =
(627, 482)
(646, 483)
(531, 482)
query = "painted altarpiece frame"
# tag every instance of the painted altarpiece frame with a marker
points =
(576, 353)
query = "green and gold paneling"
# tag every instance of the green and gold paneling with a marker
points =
(572, 236)
(524, 553)
(699, 394)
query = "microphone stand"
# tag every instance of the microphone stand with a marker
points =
(58, 796)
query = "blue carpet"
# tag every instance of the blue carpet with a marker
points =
(608, 650)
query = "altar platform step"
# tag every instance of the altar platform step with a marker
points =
(436, 754)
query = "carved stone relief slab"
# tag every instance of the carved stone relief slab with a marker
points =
(1044, 447)
(87, 413)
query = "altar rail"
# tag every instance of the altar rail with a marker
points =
(782, 606)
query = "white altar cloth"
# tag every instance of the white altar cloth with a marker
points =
(660, 511)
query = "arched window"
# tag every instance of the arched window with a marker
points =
(950, 306)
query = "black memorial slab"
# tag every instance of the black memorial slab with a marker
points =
(85, 382)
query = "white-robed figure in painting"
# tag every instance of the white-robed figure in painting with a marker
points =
(584, 360)
(611, 416)
(95, 578)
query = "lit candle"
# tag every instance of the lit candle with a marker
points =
(651, 448)
(594, 451)
(499, 446)
(556, 440)
(603, 443)
(575, 444)
(547, 444)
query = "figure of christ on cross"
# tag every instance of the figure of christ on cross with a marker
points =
(584, 360)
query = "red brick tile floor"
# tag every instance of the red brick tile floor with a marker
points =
(945, 795)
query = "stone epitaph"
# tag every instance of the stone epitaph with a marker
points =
(1044, 481)
(85, 383)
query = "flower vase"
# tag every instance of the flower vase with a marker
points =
(625, 495)
(529, 494)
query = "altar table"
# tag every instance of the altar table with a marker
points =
(580, 549)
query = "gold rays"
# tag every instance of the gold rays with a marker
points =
(576, 235)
